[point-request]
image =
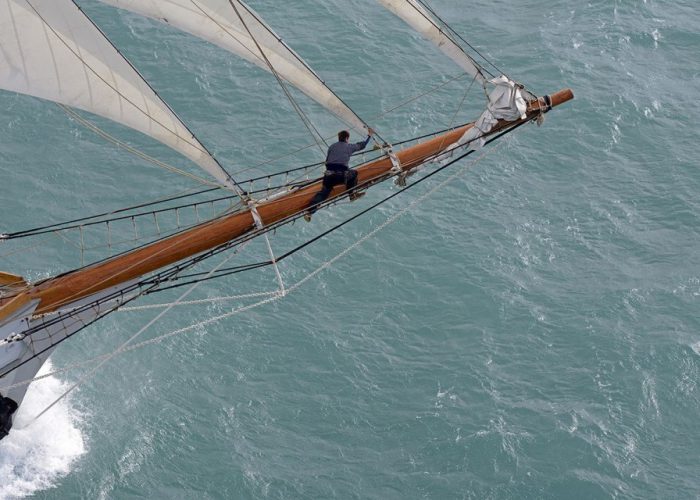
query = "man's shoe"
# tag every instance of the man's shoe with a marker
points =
(307, 217)
(356, 196)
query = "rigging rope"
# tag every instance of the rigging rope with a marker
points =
(199, 146)
(225, 298)
(110, 138)
(459, 108)
(271, 296)
(305, 119)
(92, 372)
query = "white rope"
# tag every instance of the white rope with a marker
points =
(227, 298)
(273, 259)
(19, 250)
(275, 295)
(259, 224)
(91, 373)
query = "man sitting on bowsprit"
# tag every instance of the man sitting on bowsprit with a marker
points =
(338, 170)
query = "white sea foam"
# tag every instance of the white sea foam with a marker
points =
(34, 458)
(696, 347)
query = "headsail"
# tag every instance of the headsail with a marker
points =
(50, 49)
(416, 16)
(218, 22)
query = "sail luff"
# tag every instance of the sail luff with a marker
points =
(218, 170)
(216, 22)
(52, 50)
(411, 12)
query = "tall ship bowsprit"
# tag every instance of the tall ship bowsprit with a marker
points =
(53, 51)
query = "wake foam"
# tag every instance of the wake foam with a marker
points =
(35, 458)
(696, 348)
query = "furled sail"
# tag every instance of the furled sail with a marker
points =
(50, 49)
(507, 100)
(416, 16)
(218, 22)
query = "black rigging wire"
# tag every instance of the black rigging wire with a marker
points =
(154, 284)
(247, 267)
(44, 229)
(310, 126)
(233, 181)
(86, 221)
(303, 63)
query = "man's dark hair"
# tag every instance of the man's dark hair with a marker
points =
(343, 135)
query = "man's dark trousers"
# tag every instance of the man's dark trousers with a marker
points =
(335, 174)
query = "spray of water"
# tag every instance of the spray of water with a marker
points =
(35, 458)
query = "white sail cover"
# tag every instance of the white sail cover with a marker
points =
(218, 22)
(420, 20)
(50, 49)
(506, 102)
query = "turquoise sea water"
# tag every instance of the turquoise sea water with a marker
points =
(529, 331)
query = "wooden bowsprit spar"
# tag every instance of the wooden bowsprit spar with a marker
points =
(57, 293)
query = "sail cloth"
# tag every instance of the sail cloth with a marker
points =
(50, 49)
(423, 22)
(217, 21)
(506, 102)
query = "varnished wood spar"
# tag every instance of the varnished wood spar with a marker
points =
(73, 286)
(561, 97)
(54, 293)
(7, 279)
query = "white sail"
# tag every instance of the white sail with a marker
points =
(218, 22)
(506, 102)
(420, 20)
(50, 49)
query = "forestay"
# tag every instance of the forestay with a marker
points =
(507, 100)
(420, 20)
(218, 22)
(50, 49)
